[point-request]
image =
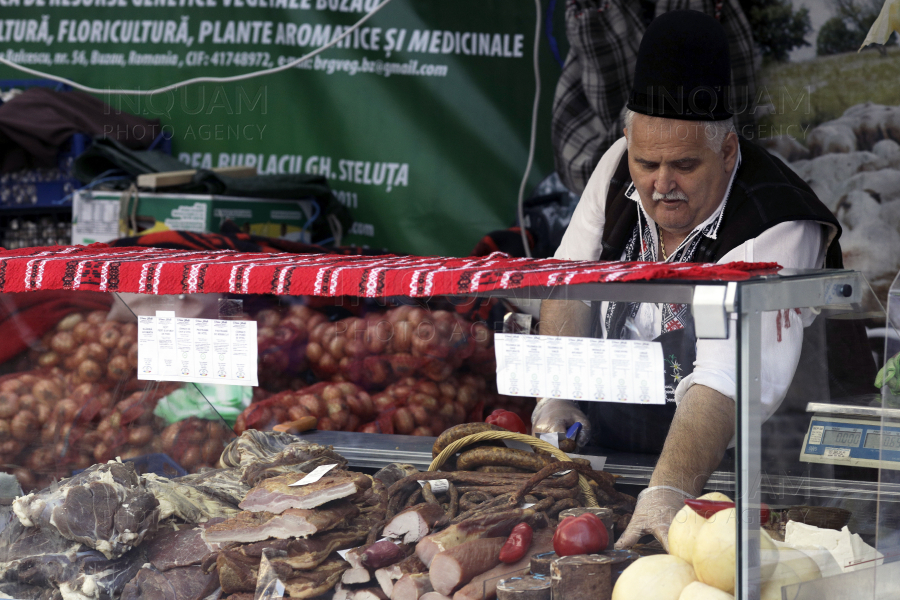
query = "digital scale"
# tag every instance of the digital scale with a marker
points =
(855, 436)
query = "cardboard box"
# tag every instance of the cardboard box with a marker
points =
(99, 216)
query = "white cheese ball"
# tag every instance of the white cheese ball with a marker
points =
(714, 550)
(783, 575)
(660, 577)
(686, 525)
(803, 566)
(701, 591)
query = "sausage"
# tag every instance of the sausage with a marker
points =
(500, 469)
(507, 457)
(458, 432)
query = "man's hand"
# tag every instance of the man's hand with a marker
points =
(552, 415)
(656, 507)
(700, 432)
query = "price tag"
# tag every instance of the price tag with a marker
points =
(315, 475)
(438, 486)
(837, 452)
(343, 553)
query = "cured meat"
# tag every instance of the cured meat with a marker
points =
(384, 553)
(414, 523)
(105, 507)
(455, 567)
(172, 549)
(276, 495)
(356, 575)
(489, 525)
(184, 583)
(261, 446)
(295, 459)
(238, 566)
(344, 593)
(186, 502)
(21, 591)
(412, 586)
(223, 484)
(294, 522)
(484, 586)
(435, 596)
(388, 575)
(308, 584)
(393, 473)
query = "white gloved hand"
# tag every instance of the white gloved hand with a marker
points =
(656, 507)
(552, 415)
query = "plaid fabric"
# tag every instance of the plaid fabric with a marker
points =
(604, 36)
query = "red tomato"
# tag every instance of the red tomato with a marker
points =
(584, 534)
(507, 420)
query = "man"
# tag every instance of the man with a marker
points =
(682, 187)
(593, 87)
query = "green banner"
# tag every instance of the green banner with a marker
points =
(420, 119)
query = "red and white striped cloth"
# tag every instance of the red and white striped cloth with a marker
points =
(100, 268)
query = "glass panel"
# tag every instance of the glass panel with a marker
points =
(889, 475)
(821, 435)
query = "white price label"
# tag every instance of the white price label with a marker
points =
(438, 486)
(598, 370)
(172, 348)
(837, 452)
(315, 475)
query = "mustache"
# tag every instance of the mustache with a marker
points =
(676, 195)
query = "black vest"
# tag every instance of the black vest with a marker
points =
(765, 193)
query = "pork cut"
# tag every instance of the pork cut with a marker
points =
(177, 548)
(296, 459)
(188, 503)
(105, 507)
(223, 484)
(387, 576)
(484, 586)
(412, 586)
(248, 526)
(483, 526)
(414, 523)
(183, 583)
(456, 566)
(277, 495)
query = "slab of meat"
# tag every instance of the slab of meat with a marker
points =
(435, 596)
(21, 591)
(186, 502)
(253, 446)
(412, 586)
(490, 525)
(224, 484)
(393, 473)
(455, 567)
(183, 583)
(342, 592)
(309, 584)
(414, 523)
(249, 526)
(171, 549)
(484, 586)
(105, 507)
(296, 459)
(387, 576)
(276, 495)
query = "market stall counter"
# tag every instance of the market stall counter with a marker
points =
(215, 424)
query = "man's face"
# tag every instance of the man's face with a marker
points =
(670, 161)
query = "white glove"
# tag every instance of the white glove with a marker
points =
(552, 415)
(656, 507)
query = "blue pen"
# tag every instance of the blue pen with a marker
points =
(573, 431)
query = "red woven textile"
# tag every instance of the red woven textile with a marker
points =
(157, 271)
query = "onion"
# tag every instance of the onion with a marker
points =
(47, 390)
(110, 337)
(23, 426)
(63, 342)
(9, 405)
(69, 322)
(48, 359)
(96, 317)
(89, 370)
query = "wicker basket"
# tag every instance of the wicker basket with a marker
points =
(486, 436)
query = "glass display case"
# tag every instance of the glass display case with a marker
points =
(381, 373)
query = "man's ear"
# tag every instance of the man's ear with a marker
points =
(730, 151)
